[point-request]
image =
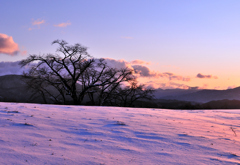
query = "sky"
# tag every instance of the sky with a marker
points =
(171, 43)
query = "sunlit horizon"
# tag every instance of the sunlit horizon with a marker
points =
(178, 44)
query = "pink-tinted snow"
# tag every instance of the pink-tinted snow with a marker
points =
(53, 134)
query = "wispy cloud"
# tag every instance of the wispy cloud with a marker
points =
(141, 62)
(172, 76)
(7, 45)
(38, 22)
(64, 24)
(23, 52)
(168, 85)
(199, 75)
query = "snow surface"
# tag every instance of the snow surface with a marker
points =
(54, 134)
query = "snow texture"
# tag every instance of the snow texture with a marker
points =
(54, 134)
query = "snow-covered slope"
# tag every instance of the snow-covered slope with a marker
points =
(53, 134)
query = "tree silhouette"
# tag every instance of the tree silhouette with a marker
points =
(73, 72)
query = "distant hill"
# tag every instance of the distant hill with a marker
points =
(204, 96)
(164, 93)
(14, 89)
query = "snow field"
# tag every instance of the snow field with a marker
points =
(55, 134)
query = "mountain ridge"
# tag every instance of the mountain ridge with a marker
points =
(14, 88)
(206, 95)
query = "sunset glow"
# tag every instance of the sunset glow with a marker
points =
(175, 44)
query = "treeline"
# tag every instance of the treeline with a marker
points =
(217, 104)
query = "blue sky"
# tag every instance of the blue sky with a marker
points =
(182, 37)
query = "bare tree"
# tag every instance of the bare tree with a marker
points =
(75, 73)
(61, 71)
(106, 80)
(115, 78)
(128, 95)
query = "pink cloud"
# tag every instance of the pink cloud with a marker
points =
(146, 72)
(141, 62)
(63, 24)
(168, 85)
(199, 75)
(38, 22)
(24, 52)
(179, 86)
(143, 71)
(7, 45)
(118, 63)
(172, 76)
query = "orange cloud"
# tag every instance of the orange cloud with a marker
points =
(199, 75)
(38, 22)
(63, 24)
(7, 45)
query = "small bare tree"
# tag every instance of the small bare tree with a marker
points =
(128, 95)
(106, 80)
